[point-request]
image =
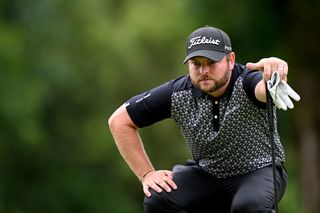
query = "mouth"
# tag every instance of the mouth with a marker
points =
(205, 81)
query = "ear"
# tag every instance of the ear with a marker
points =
(232, 60)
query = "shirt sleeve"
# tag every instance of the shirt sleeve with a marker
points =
(250, 81)
(151, 106)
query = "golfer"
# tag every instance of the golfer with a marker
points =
(220, 109)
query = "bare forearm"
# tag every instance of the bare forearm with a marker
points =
(260, 91)
(129, 143)
(131, 148)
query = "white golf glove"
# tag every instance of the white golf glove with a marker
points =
(280, 92)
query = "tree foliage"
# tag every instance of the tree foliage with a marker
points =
(67, 65)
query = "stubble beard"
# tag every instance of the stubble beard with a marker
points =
(217, 84)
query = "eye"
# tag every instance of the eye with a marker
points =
(211, 62)
(196, 63)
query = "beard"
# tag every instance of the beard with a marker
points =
(216, 84)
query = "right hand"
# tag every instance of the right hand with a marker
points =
(281, 92)
(158, 180)
(268, 66)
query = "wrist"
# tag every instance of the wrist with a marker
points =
(145, 174)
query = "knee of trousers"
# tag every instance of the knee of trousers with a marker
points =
(160, 202)
(254, 205)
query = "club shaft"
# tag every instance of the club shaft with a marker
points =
(272, 143)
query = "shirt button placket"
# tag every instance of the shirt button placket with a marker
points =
(215, 115)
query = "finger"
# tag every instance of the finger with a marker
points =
(276, 103)
(283, 88)
(285, 98)
(294, 95)
(156, 188)
(146, 190)
(280, 103)
(164, 185)
(286, 71)
(267, 71)
(291, 92)
(171, 183)
(280, 70)
(283, 70)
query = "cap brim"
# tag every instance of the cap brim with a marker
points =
(213, 55)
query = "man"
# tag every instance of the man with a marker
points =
(220, 109)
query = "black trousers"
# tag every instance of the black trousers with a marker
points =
(199, 192)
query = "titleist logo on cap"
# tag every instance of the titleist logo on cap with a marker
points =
(202, 40)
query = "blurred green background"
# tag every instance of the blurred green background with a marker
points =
(65, 66)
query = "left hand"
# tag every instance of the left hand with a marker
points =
(269, 66)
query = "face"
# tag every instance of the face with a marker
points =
(209, 76)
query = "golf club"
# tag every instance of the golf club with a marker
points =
(272, 143)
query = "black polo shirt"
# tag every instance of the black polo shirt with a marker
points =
(155, 105)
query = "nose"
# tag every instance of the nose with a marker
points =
(204, 69)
